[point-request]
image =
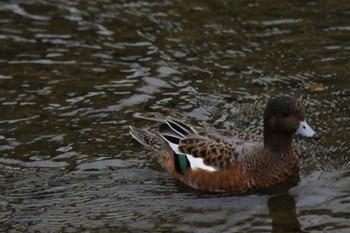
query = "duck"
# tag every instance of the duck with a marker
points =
(226, 160)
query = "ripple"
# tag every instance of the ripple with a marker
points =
(87, 96)
(280, 21)
(42, 61)
(15, 8)
(103, 164)
(338, 28)
(35, 164)
(61, 36)
(16, 38)
(13, 121)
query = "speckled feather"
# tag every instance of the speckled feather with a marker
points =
(218, 154)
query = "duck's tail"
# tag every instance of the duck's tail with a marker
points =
(145, 137)
(154, 142)
(164, 142)
(165, 145)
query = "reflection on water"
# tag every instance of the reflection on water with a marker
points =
(283, 214)
(73, 74)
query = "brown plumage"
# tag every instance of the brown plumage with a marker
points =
(230, 161)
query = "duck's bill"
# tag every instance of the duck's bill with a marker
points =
(305, 130)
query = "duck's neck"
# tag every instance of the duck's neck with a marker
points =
(277, 142)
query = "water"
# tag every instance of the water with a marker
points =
(74, 73)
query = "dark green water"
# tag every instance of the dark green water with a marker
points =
(73, 74)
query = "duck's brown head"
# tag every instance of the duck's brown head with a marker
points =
(285, 115)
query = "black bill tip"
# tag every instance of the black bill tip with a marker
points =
(315, 136)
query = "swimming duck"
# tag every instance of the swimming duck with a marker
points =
(227, 160)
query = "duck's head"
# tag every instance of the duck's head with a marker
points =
(286, 115)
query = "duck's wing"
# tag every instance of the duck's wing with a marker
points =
(196, 147)
(214, 152)
(229, 135)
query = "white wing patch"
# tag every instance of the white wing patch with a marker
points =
(198, 163)
(194, 162)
